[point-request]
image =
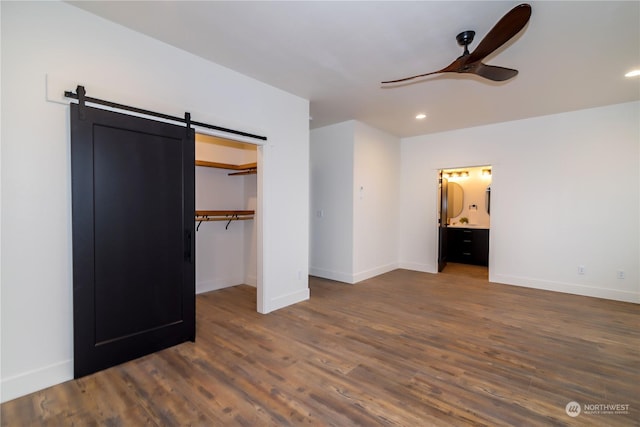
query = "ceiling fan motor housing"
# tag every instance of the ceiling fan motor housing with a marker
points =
(465, 38)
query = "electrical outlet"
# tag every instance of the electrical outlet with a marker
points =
(620, 274)
(582, 269)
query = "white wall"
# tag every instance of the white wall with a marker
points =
(565, 192)
(376, 181)
(331, 159)
(354, 201)
(74, 47)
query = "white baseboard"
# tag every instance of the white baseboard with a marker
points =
(414, 266)
(352, 278)
(364, 275)
(286, 300)
(251, 280)
(331, 275)
(213, 285)
(568, 288)
(38, 379)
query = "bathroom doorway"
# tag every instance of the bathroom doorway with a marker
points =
(464, 221)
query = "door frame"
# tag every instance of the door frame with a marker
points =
(493, 166)
(261, 298)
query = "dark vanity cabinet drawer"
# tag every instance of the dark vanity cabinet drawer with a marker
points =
(468, 245)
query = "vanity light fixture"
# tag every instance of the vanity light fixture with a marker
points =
(456, 174)
(633, 73)
(486, 172)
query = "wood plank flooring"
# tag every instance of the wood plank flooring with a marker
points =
(402, 349)
(466, 270)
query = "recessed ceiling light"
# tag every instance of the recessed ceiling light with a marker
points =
(421, 116)
(633, 73)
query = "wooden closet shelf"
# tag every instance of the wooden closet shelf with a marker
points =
(223, 213)
(228, 215)
(247, 166)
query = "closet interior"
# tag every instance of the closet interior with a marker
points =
(226, 201)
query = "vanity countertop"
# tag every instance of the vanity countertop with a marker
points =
(479, 227)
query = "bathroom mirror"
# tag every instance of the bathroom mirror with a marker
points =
(455, 200)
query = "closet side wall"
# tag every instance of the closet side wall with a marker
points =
(250, 231)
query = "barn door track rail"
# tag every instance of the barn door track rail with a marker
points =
(80, 95)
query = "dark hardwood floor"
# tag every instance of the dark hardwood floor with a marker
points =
(466, 270)
(404, 349)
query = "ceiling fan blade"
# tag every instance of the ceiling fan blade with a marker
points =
(451, 68)
(502, 32)
(491, 72)
(412, 77)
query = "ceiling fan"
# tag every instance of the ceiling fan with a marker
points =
(503, 31)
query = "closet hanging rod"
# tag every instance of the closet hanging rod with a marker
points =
(80, 96)
(247, 172)
(228, 215)
(233, 218)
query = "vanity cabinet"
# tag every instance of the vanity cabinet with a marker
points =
(468, 245)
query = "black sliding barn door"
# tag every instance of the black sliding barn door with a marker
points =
(133, 249)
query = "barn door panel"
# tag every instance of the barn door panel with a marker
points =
(133, 252)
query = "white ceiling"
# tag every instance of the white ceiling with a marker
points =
(571, 55)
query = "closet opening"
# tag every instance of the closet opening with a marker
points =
(464, 221)
(227, 214)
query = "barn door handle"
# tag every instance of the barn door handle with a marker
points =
(187, 245)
